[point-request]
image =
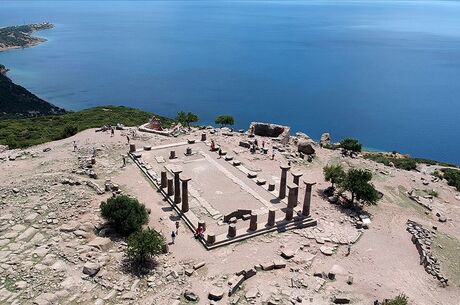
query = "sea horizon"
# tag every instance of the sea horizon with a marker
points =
(353, 69)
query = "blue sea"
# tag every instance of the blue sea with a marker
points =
(385, 72)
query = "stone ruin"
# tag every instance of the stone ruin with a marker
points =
(280, 132)
(241, 223)
(154, 124)
(423, 240)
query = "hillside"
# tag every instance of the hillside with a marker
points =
(16, 101)
(25, 132)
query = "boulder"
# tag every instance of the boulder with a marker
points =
(216, 294)
(91, 269)
(190, 296)
(325, 139)
(305, 147)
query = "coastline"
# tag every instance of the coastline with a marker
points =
(20, 37)
(29, 45)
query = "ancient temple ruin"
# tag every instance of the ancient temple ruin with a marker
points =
(189, 175)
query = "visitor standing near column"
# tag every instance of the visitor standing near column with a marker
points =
(173, 237)
(112, 131)
(177, 227)
(74, 146)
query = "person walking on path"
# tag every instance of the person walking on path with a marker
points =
(112, 131)
(74, 146)
(173, 237)
(124, 160)
(127, 138)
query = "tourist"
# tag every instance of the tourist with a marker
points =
(112, 131)
(256, 143)
(273, 154)
(199, 232)
(127, 138)
(213, 145)
(177, 227)
(94, 151)
(124, 160)
(348, 249)
(173, 237)
(263, 144)
(74, 146)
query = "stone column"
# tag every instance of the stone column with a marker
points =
(292, 195)
(176, 173)
(203, 137)
(172, 154)
(163, 180)
(170, 187)
(307, 198)
(211, 239)
(231, 230)
(271, 217)
(185, 205)
(253, 222)
(132, 148)
(296, 179)
(284, 170)
(188, 151)
(289, 214)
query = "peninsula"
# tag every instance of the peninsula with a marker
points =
(14, 37)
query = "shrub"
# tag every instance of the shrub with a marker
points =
(225, 120)
(399, 300)
(144, 245)
(124, 213)
(69, 131)
(452, 176)
(351, 144)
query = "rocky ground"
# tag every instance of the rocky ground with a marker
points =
(54, 248)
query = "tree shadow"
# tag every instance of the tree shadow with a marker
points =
(136, 268)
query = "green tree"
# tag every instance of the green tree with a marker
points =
(224, 120)
(186, 118)
(357, 182)
(351, 145)
(399, 300)
(124, 213)
(143, 245)
(334, 173)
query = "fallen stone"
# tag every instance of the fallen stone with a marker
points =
(287, 254)
(91, 268)
(190, 296)
(279, 264)
(341, 300)
(326, 250)
(251, 293)
(199, 265)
